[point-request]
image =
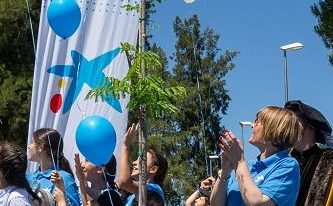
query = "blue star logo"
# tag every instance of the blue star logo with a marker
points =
(88, 72)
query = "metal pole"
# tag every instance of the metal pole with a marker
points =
(142, 118)
(210, 167)
(242, 136)
(285, 77)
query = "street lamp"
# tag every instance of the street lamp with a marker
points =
(211, 157)
(285, 48)
(244, 124)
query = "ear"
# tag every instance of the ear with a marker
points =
(153, 169)
(40, 148)
(99, 170)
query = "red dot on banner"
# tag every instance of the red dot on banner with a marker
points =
(55, 103)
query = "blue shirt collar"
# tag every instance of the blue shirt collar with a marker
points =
(47, 173)
(275, 157)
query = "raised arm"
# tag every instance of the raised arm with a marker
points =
(233, 151)
(125, 181)
(219, 193)
(82, 179)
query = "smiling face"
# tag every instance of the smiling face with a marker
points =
(151, 168)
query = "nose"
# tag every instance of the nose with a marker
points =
(135, 162)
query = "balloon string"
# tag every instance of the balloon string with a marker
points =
(54, 165)
(82, 112)
(107, 185)
(31, 29)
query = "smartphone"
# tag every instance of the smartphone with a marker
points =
(204, 192)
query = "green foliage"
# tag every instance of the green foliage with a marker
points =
(323, 11)
(16, 67)
(130, 7)
(200, 67)
(145, 88)
(15, 95)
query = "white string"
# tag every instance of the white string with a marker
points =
(54, 165)
(197, 66)
(107, 185)
(82, 112)
(32, 31)
(58, 149)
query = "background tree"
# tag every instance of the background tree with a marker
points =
(323, 11)
(183, 138)
(16, 67)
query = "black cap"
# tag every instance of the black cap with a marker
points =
(313, 118)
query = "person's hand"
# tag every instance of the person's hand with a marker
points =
(59, 197)
(232, 149)
(207, 183)
(57, 180)
(131, 133)
(78, 169)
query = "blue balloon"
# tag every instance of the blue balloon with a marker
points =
(64, 17)
(96, 139)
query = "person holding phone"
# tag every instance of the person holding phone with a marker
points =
(271, 179)
(201, 196)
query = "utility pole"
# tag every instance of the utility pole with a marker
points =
(142, 118)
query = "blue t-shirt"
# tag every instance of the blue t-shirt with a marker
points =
(41, 180)
(150, 186)
(277, 176)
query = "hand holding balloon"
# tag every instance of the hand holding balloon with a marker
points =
(57, 181)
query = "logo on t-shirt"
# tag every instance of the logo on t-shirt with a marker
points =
(259, 178)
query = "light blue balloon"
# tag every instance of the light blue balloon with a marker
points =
(64, 17)
(96, 139)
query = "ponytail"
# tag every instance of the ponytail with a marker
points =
(64, 164)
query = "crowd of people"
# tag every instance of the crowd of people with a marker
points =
(54, 183)
(294, 167)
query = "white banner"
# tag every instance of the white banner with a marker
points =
(74, 56)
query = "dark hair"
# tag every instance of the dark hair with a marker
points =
(110, 171)
(162, 164)
(53, 144)
(153, 199)
(13, 164)
(104, 199)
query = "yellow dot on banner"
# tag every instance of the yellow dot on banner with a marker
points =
(61, 83)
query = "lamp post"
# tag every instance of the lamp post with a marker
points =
(211, 157)
(244, 124)
(285, 48)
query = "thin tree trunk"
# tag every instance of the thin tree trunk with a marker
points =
(142, 157)
(142, 119)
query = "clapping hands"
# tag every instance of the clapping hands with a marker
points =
(232, 149)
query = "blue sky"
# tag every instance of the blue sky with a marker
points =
(257, 29)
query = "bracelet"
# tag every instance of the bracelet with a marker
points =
(197, 193)
(223, 178)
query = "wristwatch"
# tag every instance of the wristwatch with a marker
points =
(222, 178)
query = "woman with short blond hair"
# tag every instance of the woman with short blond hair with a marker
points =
(273, 178)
